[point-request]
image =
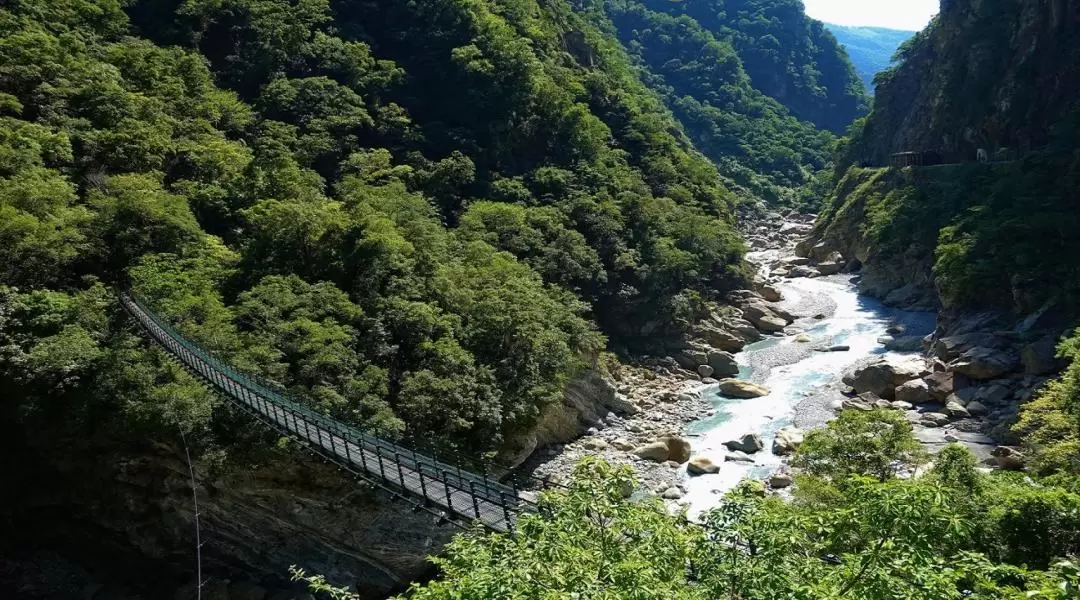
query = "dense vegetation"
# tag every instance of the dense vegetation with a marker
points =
(852, 530)
(278, 179)
(870, 49)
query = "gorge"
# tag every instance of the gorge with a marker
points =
(567, 238)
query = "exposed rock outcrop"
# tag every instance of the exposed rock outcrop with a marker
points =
(787, 441)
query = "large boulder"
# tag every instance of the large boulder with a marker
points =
(981, 362)
(956, 410)
(744, 329)
(722, 339)
(780, 480)
(916, 391)
(907, 343)
(934, 419)
(655, 451)
(802, 271)
(830, 267)
(855, 404)
(693, 357)
(882, 376)
(1009, 458)
(705, 370)
(787, 440)
(723, 364)
(702, 465)
(738, 456)
(739, 388)
(672, 493)
(771, 324)
(678, 448)
(667, 448)
(748, 443)
(821, 251)
(950, 348)
(763, 317)
(940, 384)
(770, 293)
(1040, 358)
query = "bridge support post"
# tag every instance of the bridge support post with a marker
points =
(400, 474)
(449, 498)
(423, 485)
(475, 502)
(506, 513)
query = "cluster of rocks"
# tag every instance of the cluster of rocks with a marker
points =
(762, 233)
(973, 378)
(660, 398)
(743, 449)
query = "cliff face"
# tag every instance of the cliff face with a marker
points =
(991, 74)
(121, 521)
(116, 517)
(994, 75)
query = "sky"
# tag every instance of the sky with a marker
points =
(895, 14)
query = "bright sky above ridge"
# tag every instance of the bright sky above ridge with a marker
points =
(895, 14)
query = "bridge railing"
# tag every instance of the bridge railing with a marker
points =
(250, 391)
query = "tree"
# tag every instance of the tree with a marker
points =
(872, 443)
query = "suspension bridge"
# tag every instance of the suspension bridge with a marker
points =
(453, 494)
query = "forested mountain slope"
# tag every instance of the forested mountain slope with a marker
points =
(788, 56)
(997, 78)
(754, 140)
(422, 218)
(326, 194)
(871, 49)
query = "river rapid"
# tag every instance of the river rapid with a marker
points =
(803, 380)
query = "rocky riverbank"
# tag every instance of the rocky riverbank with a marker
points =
(661, 396)
(961, 383)
(974, 371)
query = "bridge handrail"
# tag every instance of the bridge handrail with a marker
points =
(490, 489)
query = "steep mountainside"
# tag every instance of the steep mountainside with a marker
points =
(417, 217)
(998, 76)
(788, 56)
(990, 87)
(991, 74)
(871, 49)
(753, 139)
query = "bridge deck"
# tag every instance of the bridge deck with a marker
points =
(458, 492)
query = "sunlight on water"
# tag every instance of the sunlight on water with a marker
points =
(858, 322)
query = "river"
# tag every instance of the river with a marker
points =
(792, 371)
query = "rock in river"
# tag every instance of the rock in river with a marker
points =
(748, 443)
(667, 448)
(723, 364)
(739, 388)
(737, 456)
(702, 465)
